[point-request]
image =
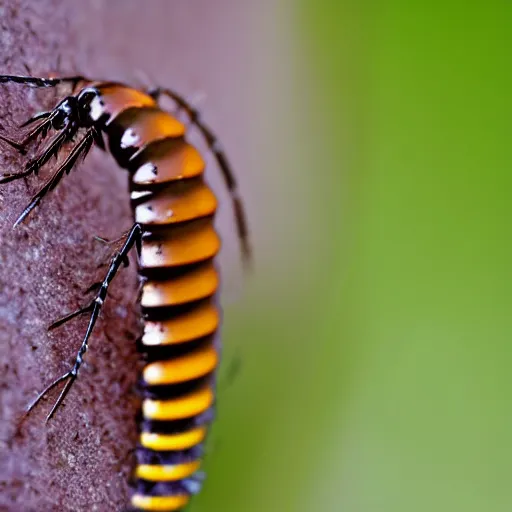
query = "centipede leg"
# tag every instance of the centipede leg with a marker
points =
(134, 239)
(108, 242)
(35, 165)
(70, 316)
(80, 150)
(41, 129)
(33, 81)
(220, 156)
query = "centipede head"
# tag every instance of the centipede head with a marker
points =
(89, 106)
(65, 113)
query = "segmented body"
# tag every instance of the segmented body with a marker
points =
(176, 209)
(173, 231)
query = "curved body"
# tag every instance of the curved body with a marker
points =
(173, 230)
(176, 210)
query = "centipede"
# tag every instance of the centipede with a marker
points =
(176, 244)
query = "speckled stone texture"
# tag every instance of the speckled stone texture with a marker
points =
(81, 460)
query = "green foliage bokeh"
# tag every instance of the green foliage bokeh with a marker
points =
(385, 385)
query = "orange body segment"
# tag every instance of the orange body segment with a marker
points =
(168, 160)
(183, 202)
(196, 284)
(137, 128)
(116, 98)
(183, 368)
(166, 442)
(186, 406)
(196, 323)
(191, 243)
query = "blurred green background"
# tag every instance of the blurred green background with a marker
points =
(377, 354)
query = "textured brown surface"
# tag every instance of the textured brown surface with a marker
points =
(80, 461)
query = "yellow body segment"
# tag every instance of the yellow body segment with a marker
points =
(197, 284)
(159, 503)
(196, 323)
(191, 243)
(186, 406)
(165, 442)
(167, 473)
(183, 368)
